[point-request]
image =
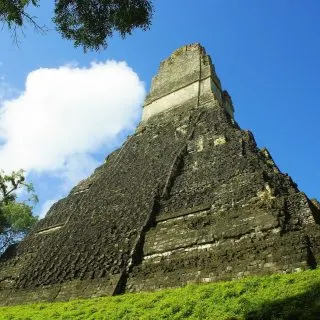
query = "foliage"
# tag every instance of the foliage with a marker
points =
(281, 297)
(13, 14)
(88, 23)
(15, 217)
(13, 11)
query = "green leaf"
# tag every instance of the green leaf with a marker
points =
(18, 216)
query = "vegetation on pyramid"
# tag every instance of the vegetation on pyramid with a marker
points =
(279, 297)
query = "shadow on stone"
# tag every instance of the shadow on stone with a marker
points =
(9, 253)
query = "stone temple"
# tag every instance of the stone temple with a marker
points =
(189, 197)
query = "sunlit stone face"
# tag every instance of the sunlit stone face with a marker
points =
(187, 76)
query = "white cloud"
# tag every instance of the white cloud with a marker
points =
(67, 113)
(75, 168)
(46, 206)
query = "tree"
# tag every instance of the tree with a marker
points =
(88, 23)
(13, 14)
(16, 218)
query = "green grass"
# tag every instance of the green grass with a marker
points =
(287, 296)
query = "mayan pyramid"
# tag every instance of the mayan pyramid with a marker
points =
(189, 197)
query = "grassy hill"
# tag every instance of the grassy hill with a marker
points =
(285, 296)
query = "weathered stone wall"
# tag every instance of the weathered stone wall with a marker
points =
(230, 212)
(94, 232)
(187, 76)
(188, 198)
(186, 65)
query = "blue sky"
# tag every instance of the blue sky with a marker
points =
(266, 54)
